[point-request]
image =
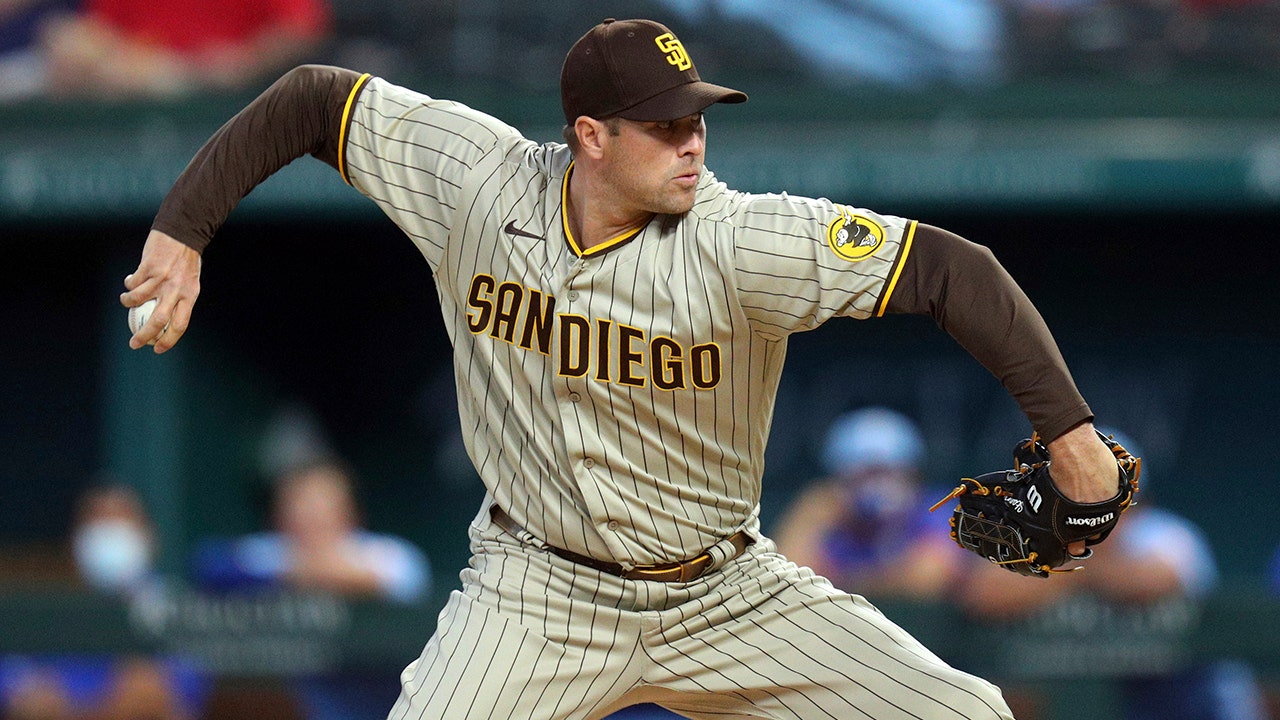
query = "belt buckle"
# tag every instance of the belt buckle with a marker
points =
(693, 569)
(686, 571)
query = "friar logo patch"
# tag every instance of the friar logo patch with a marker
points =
(854, 237)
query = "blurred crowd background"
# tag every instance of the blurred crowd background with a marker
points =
(265, 521)
(131, 47)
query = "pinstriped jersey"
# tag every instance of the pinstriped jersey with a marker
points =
(615, 402)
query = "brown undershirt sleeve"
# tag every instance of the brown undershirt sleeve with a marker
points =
(300, 114)
(967, 293)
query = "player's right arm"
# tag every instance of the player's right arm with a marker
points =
(409, 153)
(169, 270)
(300, 114)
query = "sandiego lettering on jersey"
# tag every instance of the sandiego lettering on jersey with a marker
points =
(606, 350)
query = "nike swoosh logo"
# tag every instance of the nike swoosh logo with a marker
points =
(511, 229)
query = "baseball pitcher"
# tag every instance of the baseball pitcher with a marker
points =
(619, 319)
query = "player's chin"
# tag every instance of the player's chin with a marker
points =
(678, 202)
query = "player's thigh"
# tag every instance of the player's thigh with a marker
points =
(525, 654)
(790, 645)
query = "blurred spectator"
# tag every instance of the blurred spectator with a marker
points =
(1153, 555)
(29, 692)
(866, 526)
(113, 541)
(892, 42)
(22, 60)
(141, 48)
(113, 544)
(1153, 40)
(318, 544)
(99, 688)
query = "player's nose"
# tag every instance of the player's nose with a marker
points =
(693, 141)
(694, 144)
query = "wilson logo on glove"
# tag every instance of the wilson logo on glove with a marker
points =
(1091, 522)
(989, 516)
(1033, 497)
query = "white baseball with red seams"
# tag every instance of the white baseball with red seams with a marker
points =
(139, 315)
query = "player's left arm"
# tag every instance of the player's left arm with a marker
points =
(968, 293)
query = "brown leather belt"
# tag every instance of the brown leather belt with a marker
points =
(684, 571)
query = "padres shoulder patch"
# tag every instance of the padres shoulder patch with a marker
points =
(854, 237)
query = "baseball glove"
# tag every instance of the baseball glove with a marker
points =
(1017, 518)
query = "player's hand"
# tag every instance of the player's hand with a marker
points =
(170, 272)
(1084, 469)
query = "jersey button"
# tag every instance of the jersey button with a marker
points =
(614, 525)
(575, 397)
(573, 295)
(589, 463)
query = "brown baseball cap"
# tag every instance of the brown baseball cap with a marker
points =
(637, 70)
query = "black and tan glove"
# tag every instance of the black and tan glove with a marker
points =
(1017, 518)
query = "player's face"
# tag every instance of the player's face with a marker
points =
(655, 166)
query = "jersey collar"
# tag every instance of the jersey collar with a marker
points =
(609, 244)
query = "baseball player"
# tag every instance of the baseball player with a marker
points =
(619, 320)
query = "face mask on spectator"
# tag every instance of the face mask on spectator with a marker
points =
(112, 555)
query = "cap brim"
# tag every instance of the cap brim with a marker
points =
(682, 101)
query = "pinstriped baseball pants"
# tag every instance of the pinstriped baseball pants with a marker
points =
(531, 635)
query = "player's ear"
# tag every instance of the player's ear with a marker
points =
(591, 136)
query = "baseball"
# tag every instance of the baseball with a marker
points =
(139, 315)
